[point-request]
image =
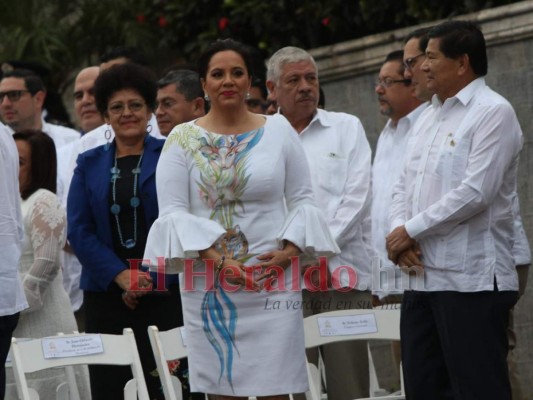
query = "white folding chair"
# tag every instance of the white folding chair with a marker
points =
(346, 325)
(28, 356)
(167, 346)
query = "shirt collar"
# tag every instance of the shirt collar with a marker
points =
(409, 119)
(321, 117)
(465, 94)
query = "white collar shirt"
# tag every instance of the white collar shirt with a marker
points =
(386, 168)
(12, 298)
(521, 249)
(339, 155)
(456, 191)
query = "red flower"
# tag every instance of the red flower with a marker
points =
(162, 21)
(140, 18)
(223, 23)
(173, 365)
(326, 21)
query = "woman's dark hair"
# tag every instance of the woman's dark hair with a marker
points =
(223, 45)
(43, 161)
(125, 76)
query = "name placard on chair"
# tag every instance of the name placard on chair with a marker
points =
(72, 346)
(347, 325)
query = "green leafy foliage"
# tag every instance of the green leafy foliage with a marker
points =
(65, 35)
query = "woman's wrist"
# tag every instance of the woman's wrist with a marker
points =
(220, 263)
(291, 249)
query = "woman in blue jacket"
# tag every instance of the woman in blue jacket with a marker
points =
(112, 203)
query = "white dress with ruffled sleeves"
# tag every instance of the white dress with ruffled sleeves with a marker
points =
(245, 193)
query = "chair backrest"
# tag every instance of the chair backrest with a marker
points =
(28, 356)
(167, 346)
(345, 325)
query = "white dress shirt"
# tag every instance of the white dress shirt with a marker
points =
(386, 168)
(456, 192)
(338, 154)
(12, 298)
(521, 249)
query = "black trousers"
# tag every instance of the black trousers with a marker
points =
(8, 323)
(454, 345)
(105, 312)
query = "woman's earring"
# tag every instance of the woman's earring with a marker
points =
(206, 97)
(107, 135)
(248, 95)
(148, 128)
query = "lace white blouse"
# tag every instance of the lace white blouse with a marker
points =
(40, 271)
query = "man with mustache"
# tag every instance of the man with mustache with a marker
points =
(397, 100)
(454, 202)
(339, 155)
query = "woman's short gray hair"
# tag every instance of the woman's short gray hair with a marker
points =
(286, 55)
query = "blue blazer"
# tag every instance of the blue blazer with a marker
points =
(89, 228)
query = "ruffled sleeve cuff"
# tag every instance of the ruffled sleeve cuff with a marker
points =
(179, 236)
(306, 227)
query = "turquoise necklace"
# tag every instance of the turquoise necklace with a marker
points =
(135, 202)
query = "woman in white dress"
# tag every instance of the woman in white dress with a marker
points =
(234, 190)
(44, 219)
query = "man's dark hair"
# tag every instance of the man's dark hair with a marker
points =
(125, 76)
(462, 37)
(422, 36)
(33, 82)
(130, 53)
(43, 161)
(187, 83)
(396, 55)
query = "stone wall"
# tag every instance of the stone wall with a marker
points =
(348, 71)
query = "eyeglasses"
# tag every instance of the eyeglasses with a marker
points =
(409, 63)
(133, 106)
(388, 82)
(12, 95)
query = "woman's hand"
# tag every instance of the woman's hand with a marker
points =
(130, 299)
(236, 273)
(135, 280)
(134, 288)
(281, 258)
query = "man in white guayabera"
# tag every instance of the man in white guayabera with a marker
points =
(339, 155)
(453, 202)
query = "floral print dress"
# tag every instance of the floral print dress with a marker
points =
(244, 194)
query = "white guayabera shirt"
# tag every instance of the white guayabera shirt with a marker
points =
(338, 154)
(12, 298)
(388, 164)
(456, 192)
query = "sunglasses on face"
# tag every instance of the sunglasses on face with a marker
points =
(12, 95)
